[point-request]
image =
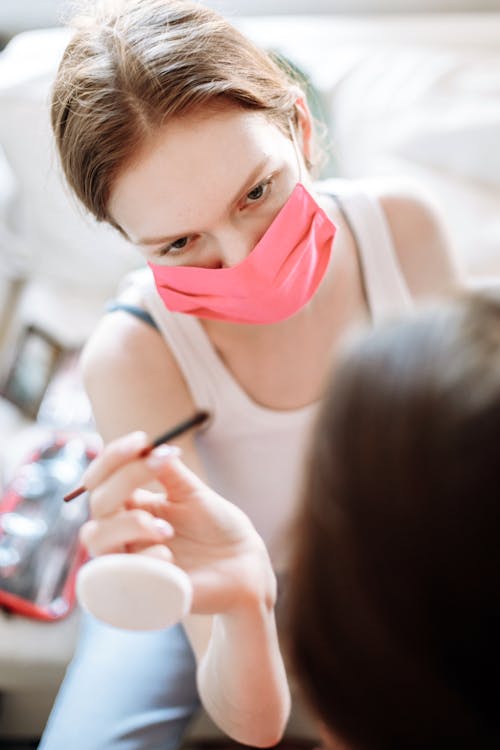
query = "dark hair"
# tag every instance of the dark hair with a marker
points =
(131, 66)
(394, 608)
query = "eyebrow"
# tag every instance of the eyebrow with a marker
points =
(245, 187)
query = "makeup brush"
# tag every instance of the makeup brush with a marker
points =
(174, 432)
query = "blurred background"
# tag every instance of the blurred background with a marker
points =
(17, 15)
(408, 91)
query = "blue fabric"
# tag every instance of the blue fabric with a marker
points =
(124, 691)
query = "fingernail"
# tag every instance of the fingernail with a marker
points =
(157, 458)
(164, 527)
(136, 441)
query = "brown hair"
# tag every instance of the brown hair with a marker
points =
(394, 609)
(133, 65)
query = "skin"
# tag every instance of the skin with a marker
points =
(207, 178)
(230, 572)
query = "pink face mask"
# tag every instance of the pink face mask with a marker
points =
(277, 279)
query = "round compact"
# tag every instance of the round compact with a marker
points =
(134, 592)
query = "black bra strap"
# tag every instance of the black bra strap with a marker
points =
(137, 312)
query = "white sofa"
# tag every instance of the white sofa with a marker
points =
(404, 96)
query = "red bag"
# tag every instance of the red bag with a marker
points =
(39, 549)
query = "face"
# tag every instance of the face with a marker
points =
(206, 188)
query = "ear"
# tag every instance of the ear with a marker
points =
(305, 129)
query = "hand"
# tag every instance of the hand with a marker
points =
(211, 539)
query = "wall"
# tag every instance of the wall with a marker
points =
(16, 15)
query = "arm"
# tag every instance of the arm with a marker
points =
(241, 674)
(241, 678)
(245, 689)
(133, 381)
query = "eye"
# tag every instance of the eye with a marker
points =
(256, 193)
(259, 191)
(174, 247)
(179, 244)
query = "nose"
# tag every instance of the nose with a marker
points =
(233, 244)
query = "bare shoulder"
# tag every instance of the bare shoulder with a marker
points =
(132, 378)
(420, 239)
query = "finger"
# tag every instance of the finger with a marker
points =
(114, 492)
(142, 496)
(124, 529)
(180, 482)
(153, 502)
(160, 551)
(137, 546)
(116, 454)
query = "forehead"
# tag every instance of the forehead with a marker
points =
(188, 171)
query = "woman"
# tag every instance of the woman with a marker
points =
(394, 614)
(196, 146)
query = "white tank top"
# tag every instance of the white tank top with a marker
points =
(252, 455)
